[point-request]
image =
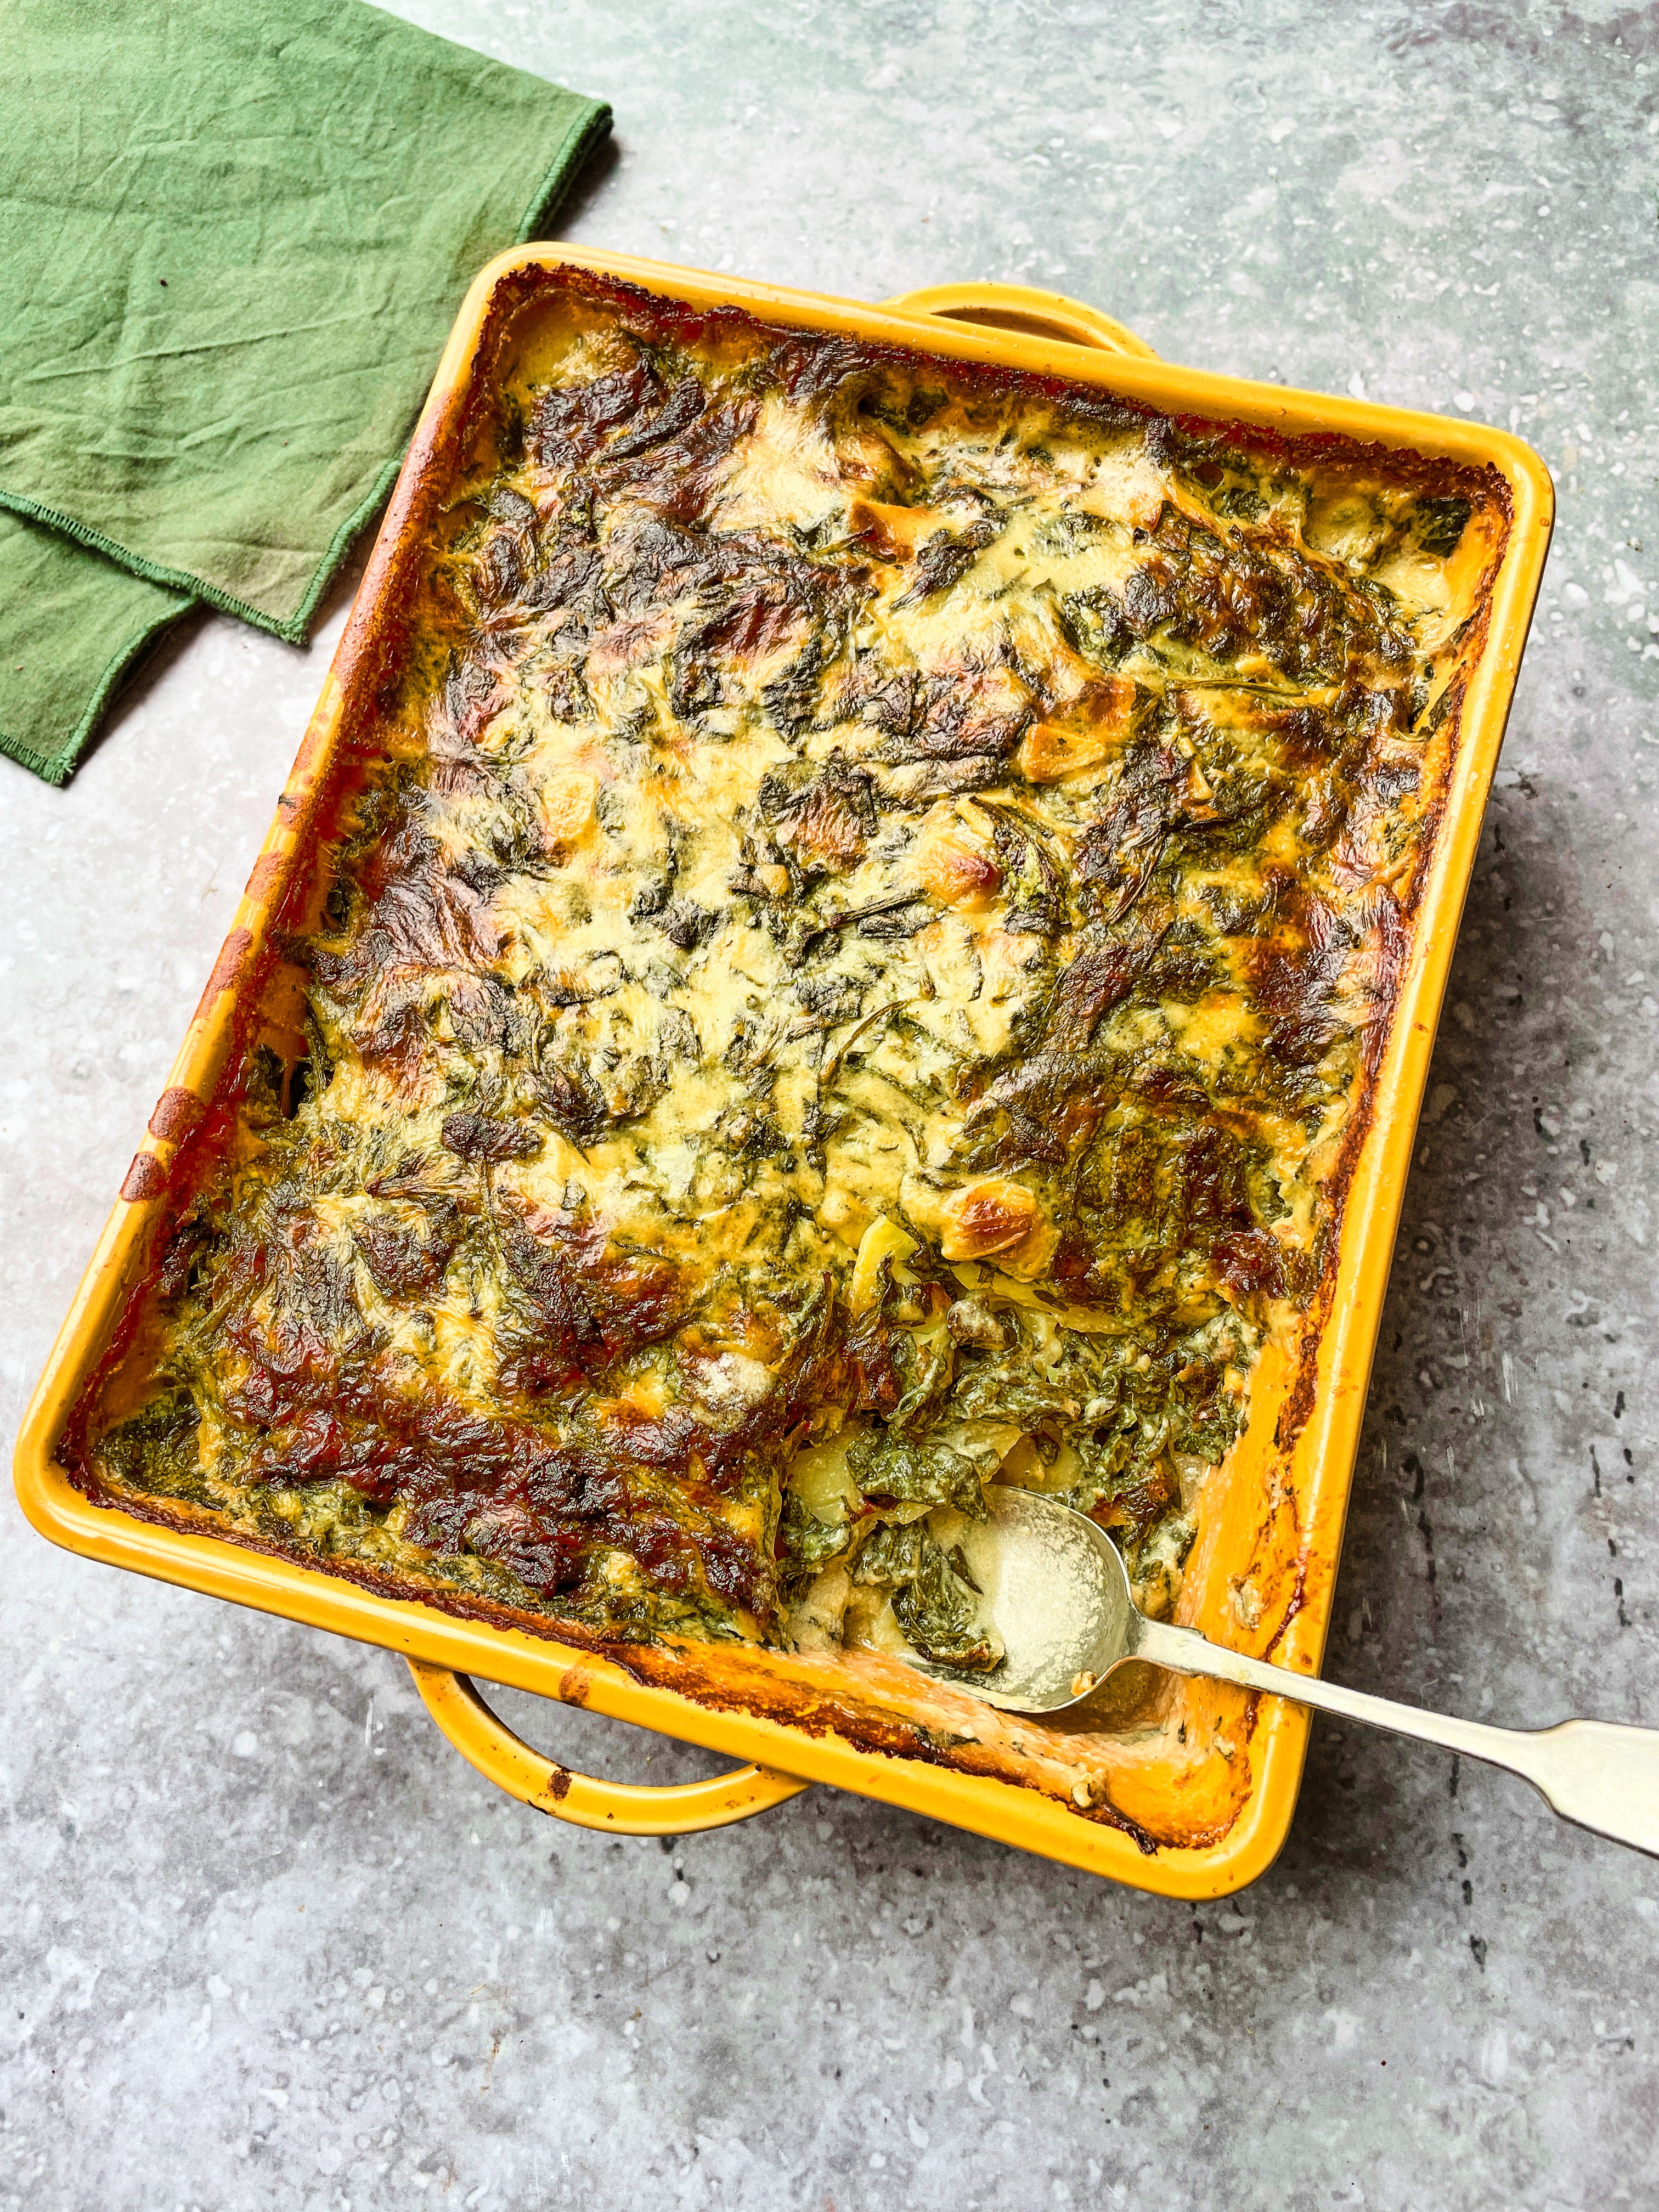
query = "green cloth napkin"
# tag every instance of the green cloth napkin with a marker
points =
(236, 235)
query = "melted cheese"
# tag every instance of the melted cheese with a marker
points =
(847, 846)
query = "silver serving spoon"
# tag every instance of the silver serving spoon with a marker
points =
(1056, 1589)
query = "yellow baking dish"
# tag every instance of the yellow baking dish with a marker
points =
(1277, 1518)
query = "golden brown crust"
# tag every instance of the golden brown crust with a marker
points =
(764, 612)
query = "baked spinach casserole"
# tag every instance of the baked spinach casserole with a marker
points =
(849, 966)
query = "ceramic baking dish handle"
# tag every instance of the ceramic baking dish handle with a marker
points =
(625, 1808)
(1029, 312)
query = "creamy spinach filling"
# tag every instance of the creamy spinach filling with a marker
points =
(846, 971)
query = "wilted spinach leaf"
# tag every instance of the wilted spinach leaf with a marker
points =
(888, 1471)
(1440, 524)
(933, 1602)
(805, 1542)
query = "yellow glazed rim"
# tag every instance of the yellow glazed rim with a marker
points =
(1021, 329)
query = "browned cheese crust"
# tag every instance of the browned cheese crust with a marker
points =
(846, 962)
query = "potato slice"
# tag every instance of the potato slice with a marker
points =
(883, 1240)
(1090, 732)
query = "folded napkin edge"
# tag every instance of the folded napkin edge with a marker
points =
(58, 767)
(587, 131)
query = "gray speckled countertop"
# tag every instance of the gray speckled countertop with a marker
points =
(267, 1942)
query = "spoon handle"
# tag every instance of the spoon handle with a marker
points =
(1599, 1774)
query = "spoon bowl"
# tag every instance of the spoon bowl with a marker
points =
(1056, 1589)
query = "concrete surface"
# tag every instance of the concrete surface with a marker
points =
(267, 1942)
